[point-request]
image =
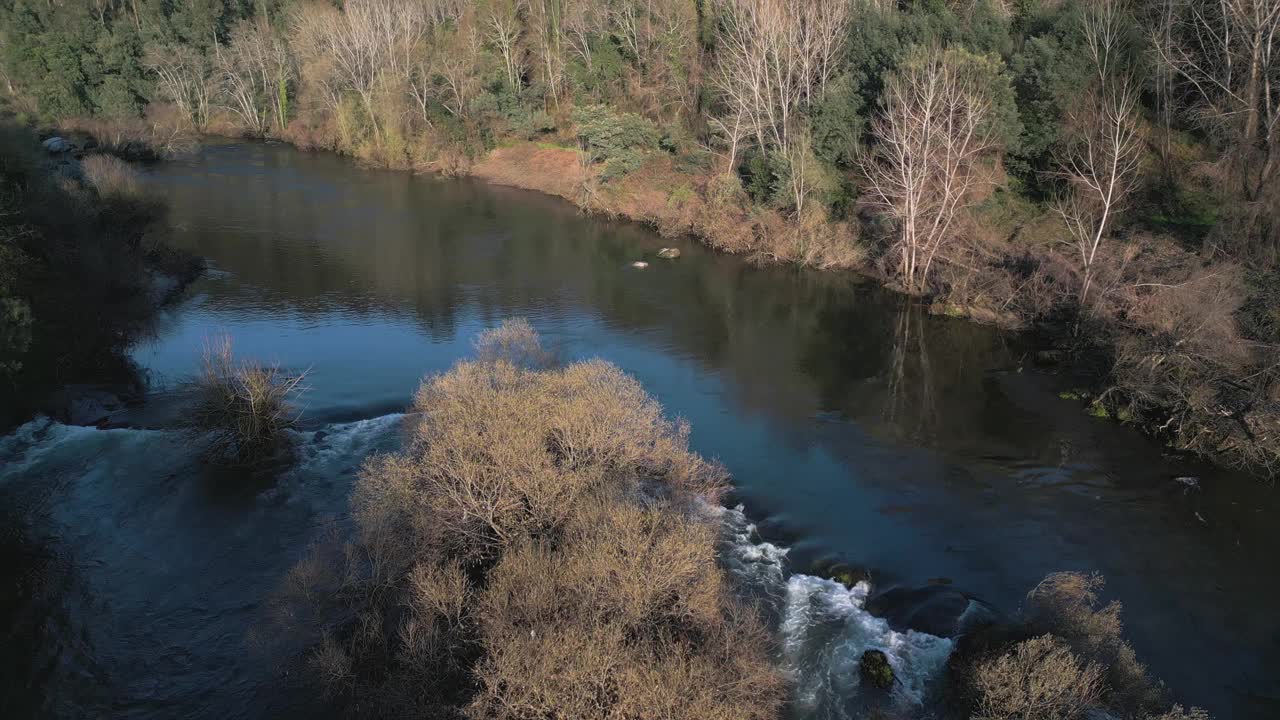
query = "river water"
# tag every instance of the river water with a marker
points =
(858, 430)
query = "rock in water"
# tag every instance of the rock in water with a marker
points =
(639, 264)
(875, 669)
(669, 253)
(55, 145)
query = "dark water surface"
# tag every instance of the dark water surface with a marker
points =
(856, 428)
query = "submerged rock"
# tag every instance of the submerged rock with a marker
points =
(56, 145)
(639, 264)
(875, 669)
(669, 253)
(938, 609)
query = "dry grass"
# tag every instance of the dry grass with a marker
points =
(112, 177)
(245, 409)
(157, 137)
(537, 551)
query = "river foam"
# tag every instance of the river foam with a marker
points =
(825, 627)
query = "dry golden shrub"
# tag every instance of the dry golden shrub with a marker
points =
(1067, 605)
(629, 619)
(515, 341)
(540, 550)
(1038, 679)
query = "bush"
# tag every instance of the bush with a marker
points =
(245, 409)
(1039, 679)
(538, 550)
(514, 341)
(1067, 604)
(620, 141)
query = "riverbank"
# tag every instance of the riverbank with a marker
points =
(1162, 350)
(84, 266)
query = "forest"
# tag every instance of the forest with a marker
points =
(1101, 170)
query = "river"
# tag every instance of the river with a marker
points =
(924, 451)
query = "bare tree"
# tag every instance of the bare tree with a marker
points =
(1100, 157)
(1227, 52)
(582, 22)
(367, 43)
(503, 30)
(254, 70)
(545, 20)
(183, 77)
(1100, 163)
(774, 59)
(930, 138)
(457, 60)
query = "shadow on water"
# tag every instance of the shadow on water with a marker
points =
(858, 429)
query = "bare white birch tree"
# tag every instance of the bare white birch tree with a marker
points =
(1102, 149)
(1099, 163)
(930, 139)
(367, 43)
(183, 77)
(774, 59)
(503, 29)
(253, 71)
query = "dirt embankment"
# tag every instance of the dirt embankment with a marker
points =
(677, 201)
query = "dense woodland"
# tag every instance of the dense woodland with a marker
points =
(1102, 168)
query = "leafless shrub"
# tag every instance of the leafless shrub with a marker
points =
(1066, 604)
(537, 551)
(514, 341)
(651, 633)
(1039, 679)
(1184, 365)
(245, 409)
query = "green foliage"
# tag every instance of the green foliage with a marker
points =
(620, 141)
(606, 74)
(838, 121)
(15, 312)
(761, 175)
